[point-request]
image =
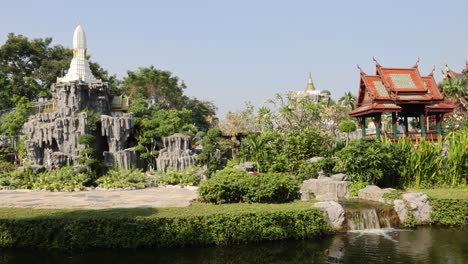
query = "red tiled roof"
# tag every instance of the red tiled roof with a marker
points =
(375, 108)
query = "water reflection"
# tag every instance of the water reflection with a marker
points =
(423, 245)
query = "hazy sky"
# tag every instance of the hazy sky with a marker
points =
(234, 51)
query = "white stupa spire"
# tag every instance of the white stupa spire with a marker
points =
(79, 67)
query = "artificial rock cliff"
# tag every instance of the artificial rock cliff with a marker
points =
(176, 154)
(52, 138)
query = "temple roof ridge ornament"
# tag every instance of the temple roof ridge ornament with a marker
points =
(79, 66)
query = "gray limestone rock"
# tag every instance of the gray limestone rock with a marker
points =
(400, 208)
(53, 136)
(176, 154)
(334, 211)
(420, 205)
(374, 193)
(324, 185)
(246, 166)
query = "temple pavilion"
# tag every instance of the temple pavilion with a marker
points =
(402, 93)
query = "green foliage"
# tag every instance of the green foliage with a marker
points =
(392, 195)
(122, 178)
(63, 179)
(153, 83)
(19, 179)
(153, 124)
(187, 177)
(427, 164)
(212, 149)
(371, 161)
(326, 165)
(232, 186)
(129, 228)
(307, 170)
(355, 187)
(347, 126)
(449, 211)
(274, 152)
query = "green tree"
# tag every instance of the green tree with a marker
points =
(348, 100)
(213, 147)
(347, 126)
(456, 89)
(12, 122)
(159, 85)
(152, 124)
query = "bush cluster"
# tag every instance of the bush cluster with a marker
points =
(63, 179)
(232, 186)
(118, 229)
(370, 161)
(187, 177)
(449, 211)
(121, 178)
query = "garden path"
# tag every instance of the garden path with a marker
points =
(98, 199)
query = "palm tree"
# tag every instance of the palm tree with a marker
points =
(348, 100)
(458, 90)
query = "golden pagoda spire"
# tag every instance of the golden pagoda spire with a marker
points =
(310, 84)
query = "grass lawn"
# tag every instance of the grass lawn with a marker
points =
(197, 209)
(444, 193)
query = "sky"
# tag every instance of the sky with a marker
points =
(230, 52)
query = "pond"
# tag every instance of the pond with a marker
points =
(421, 245)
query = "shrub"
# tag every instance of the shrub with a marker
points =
(20, 179)
(272, 188)
(449, 211)
(371, 161)
(137, 228)
(231, 186)
(122, 178)
(187, 177)
(226, 186)
(327, 165)
(63, 179)
(307, 170)
(355, 187)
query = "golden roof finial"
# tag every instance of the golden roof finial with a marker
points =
(310, 84)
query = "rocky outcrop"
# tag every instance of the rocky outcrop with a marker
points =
(400, 208)
(53, 137)
(54, 134)
(374, 193)
(176, 154)
(324, 187)
(334, 211)
(420, 206)
(246, 166)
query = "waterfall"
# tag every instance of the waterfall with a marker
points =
(361, 216)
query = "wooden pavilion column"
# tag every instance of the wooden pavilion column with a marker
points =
(378, 124)
(363, 122)
(394, 125)
(438, 124)
(405, 121)
(421, 124)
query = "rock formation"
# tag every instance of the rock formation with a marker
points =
(176, 154)
(325, 188)
(334, 211)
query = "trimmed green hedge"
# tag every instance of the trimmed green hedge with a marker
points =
(449, 211)
(118, 228)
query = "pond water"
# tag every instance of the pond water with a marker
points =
(421, 245)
